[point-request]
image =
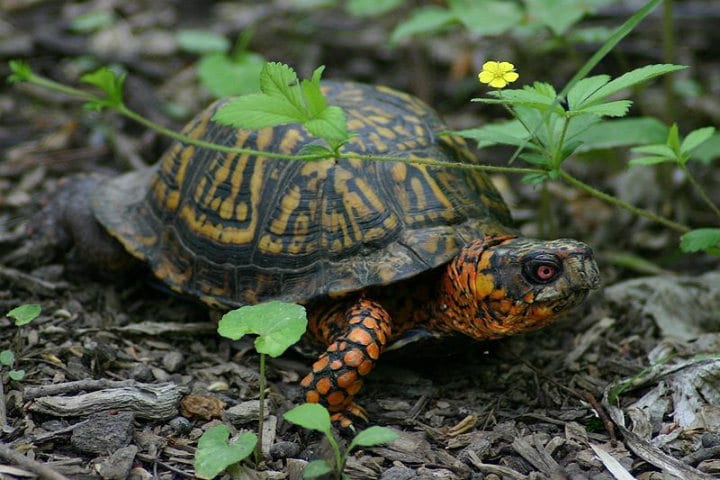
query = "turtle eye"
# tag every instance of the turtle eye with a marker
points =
(542, 269)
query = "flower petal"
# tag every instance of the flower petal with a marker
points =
(486, 77)
(511, 76)
(506, 67)
(498, 82)
(491, 66)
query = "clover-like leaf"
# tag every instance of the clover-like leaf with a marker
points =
(7, 358)
(276, 324)
(24, 314)
(16, 375)
(312, 416)
(214, 454)
(316, 468)
(373, 436)
(110, 83)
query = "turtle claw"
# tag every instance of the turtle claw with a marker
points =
(350, 421)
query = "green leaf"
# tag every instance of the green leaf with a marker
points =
(21, 71)
(659, 149)
(110, 83)
(695, 138)
(540, 96)
(280, 81)
(277, 325)
(708, 151)
(226, 77)
(330, 125)
(486, 17)
(316, 468)
(214, 454)
(16, 375)
(618, 108)
(373, 436)
(372, 8)
(314, 98)
(24, 314)
(630, 79)
(584, 89)
(621, 133)
(92, 21)
(673, 139)
(312, 416)
(256, 111)
(560, 15)
(534, 178)
(7, 358)
(506, 133)
(702, 239)
(649, 161)
(202, 41)
(423, 20)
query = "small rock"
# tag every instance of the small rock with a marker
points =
(245, 412)
(180, 425)
(201, 406)
(172, 361)
(103, 432)
(284, 449)
(118, 465)
(398, 473)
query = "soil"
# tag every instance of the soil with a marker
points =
(122, 377)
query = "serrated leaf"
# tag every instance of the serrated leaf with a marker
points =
(277, 325)
(202, 41)
(622, 133)
(280, 81)
(255, 111)
(486, 17)
(330, 125)
(7, 358)
(314, 98)
(423, 20)
(630, 79)
(16, 375)
(506, 133)
(316, 468)
(659, 149)
(618, 108)
(312, 416)
(24, 314)
(373, 436)
(214, 454)
(584, 89)
(701, 239)
(673, 139)
(649, 161)
(696, 138)
(110, 83)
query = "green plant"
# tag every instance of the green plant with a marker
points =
(316, 417)
(223, 70)
(215, 453)
(22, 315)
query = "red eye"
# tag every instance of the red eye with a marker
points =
(542, 268)
(545, 272)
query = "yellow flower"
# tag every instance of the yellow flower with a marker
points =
(498, 74)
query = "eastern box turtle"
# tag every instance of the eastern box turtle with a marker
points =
(373, 249)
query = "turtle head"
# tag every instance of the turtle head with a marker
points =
(507, 285)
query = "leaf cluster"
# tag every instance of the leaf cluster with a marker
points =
(313, 416)
(283, 100)
(22, 315)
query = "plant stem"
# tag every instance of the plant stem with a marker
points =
(678, 227)
(339, 460)
(261, 411)
(700, 190)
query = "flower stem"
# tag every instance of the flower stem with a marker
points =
(700, 190)
(261, 411)
(678, 227)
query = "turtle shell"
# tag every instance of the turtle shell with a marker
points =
(235, 229)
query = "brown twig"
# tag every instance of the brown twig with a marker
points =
(40, 469)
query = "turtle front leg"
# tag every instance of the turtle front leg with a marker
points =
(337, 376)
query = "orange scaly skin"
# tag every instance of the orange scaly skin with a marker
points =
(484, 293)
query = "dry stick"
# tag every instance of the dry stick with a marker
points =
(40, 469)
